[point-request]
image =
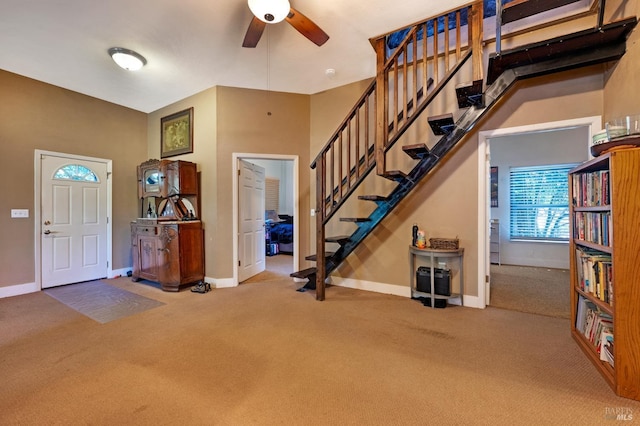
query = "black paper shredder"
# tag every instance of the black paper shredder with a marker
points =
(442, 280)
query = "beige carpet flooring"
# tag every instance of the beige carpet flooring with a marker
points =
(542, 291)
(264, 354)
(277, 268)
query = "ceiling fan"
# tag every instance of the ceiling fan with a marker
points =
(274, 11)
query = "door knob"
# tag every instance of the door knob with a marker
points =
(46, 232)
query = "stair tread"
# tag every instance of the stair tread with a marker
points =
(372, 197)
(470, 94)
(355, 219)
(314, 257)
(417, 151)
(305, 273)
(396, 175)
(441, 124)
(338, 239)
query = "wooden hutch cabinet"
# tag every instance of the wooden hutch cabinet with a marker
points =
(168, 244)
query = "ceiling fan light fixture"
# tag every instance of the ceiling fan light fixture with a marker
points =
(270, 11)
(127, 59)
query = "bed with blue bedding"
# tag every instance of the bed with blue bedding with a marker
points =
(281, 232)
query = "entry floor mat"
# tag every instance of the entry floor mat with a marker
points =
(100, 301)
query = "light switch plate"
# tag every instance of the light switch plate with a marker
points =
(19, 213)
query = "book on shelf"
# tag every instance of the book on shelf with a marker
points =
(591, 189)
(581, 313)
(606, 349)
(594, 272)
(592, 322)
(593, 227)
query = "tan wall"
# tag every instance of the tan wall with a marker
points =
(259, 122)
(446, 204)
(35, 115)
(231, 120)
(622, 84)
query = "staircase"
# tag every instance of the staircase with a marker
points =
(416, 76)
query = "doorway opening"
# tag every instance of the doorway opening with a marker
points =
(284, 169)
(588, 126)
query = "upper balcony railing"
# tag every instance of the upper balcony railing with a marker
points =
(413, 72)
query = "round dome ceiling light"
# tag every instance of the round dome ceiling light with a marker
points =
(127, 59)
(270, 11)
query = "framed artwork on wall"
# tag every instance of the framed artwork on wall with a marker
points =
(494, 186)
(176, 133)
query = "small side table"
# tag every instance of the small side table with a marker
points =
(434, 255)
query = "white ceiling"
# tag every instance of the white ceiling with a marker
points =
(192, 45)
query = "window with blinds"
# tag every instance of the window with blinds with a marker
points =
(272, 194)
(539, 207)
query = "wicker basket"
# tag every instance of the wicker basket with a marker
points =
(444, 243)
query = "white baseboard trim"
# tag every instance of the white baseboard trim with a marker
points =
(471, 302)
(220, 282)
(229, 283)
(116, 273)
(18, 289)
(396, 290)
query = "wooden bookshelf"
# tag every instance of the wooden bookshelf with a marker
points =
(617, 301)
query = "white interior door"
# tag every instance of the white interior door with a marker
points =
(74, 220)
(251, 238)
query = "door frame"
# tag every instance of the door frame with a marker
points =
(593, 124)
(296, 211)
(37, 208)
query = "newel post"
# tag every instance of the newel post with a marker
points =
(381, 135)
(321, 191)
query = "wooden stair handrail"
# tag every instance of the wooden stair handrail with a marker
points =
(346, 158)
(428, 158)
(370, 89)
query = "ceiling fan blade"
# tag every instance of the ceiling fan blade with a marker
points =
(307, 27)
(254, 32)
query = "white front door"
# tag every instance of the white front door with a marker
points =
(74, 220)
(251, 238)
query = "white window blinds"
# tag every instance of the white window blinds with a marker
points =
(272, 194)
(539, 202)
